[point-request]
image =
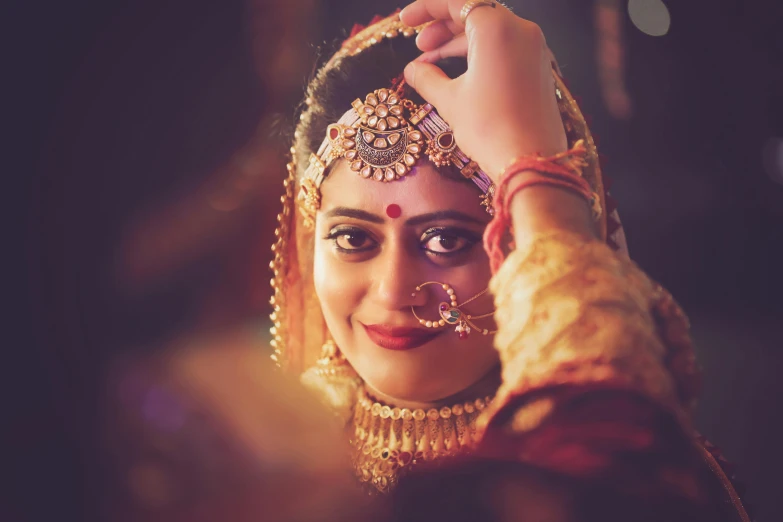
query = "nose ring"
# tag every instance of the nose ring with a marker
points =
(450, 312)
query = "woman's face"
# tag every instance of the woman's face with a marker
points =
(368, 265)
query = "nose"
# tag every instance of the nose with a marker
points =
(396, 275)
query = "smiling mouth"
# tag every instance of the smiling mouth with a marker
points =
(399, 338)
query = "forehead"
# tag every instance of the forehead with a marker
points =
(422, 190)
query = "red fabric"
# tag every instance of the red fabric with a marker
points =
(598, 434)
(356, 29)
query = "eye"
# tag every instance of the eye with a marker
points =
(352, 240)
(445, 242)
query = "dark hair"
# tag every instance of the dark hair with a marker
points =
(333, 88)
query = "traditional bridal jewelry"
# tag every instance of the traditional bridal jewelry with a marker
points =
(389, 442)
(470, 6)
(381, 145)
(451, 312)
(333, 379)
(382, 138)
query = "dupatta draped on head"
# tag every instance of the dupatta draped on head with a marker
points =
(299, 330)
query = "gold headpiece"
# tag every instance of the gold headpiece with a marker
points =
(381, 145)
(383, 137)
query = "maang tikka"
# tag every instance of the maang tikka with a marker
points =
(382, 138)
(451, 312)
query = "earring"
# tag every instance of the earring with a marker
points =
(332, 362)
(451, 312)
(334, 380)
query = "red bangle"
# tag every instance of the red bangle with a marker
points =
(552, 182)
(562, 170)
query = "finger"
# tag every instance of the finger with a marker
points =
(428, 80)
(457, 46)
(423, 11)
(437, 34)
(415, 14)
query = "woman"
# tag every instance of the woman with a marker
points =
(562, 356)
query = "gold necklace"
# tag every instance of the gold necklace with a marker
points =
(388, 442)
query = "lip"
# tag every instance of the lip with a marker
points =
(399, 338)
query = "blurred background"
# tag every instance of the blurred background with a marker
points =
(147, 160)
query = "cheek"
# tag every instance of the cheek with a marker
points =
(337, 286)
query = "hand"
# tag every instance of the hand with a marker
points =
(504, 106)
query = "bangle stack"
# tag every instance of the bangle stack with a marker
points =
(563, 170)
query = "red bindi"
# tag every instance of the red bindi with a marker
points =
(393, 211)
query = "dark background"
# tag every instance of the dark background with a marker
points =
(127, 121)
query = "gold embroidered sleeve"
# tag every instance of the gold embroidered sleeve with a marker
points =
(573, 314)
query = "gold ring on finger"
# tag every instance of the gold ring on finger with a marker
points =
(470, 5)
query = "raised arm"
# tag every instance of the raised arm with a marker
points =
(598, 370)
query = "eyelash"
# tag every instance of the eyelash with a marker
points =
(469, 236)
(336, 233)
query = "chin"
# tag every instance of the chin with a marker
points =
(417, 381)
(415, 391)
(427, 373)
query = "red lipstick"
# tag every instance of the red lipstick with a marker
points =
(399, 338)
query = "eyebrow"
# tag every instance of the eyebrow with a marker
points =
(363, 215)
(354, 213)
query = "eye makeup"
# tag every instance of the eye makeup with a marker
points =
(437, 242)
(451, 241)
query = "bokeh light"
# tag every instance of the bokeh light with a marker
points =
(650, 16)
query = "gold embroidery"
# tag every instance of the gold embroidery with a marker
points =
(572, 312)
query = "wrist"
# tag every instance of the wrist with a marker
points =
(540, 209)
(537, 195)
